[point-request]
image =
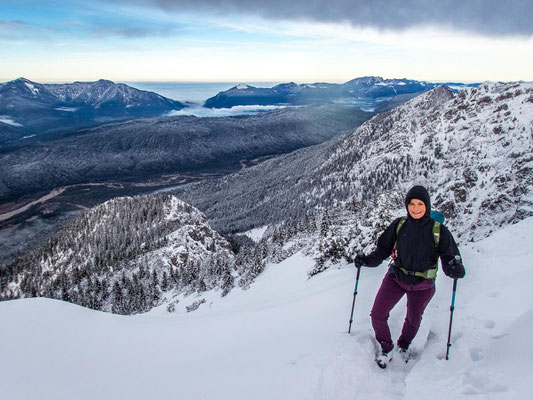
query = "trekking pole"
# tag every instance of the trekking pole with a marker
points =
(354, 294)
(452, 307)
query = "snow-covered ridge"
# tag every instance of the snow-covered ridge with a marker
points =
(41, 107)
(472, 149)
(122, 255)
(99, 92)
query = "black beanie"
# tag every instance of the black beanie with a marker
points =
(419, 193)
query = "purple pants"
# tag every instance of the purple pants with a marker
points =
(389, 294)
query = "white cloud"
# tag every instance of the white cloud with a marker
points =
(250, 48)
(487, 17)
(223, 112)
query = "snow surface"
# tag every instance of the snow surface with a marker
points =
(33, 89)
(285, 338)
(72, 109)
(256, 234)
(8, 120)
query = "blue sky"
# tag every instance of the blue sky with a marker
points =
(247, 41)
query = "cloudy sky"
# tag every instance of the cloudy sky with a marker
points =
(266, 40)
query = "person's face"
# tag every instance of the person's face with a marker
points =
(417, 208)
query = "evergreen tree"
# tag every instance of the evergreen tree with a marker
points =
(117, 299)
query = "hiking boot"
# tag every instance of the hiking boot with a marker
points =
(384, 359)
(404, 354)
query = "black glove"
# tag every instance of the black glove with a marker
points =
(456, 269)
(360, 261)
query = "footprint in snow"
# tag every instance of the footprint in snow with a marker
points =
(490, 324)
(476, 354)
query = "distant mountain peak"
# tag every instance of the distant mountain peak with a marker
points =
(288, 84)
(435, 97)
(25, 85)
(45, 107)
(367, 80)
(370, 78)
(443, 89)
(22, 79)
(365, 92)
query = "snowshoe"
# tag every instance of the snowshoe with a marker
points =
(384, 359)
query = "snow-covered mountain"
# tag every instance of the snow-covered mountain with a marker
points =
(367, 92)
(34, 107)
(377, 87)
(127, 255)
(472, 149)
(285, 338)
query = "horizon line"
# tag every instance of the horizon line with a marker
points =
(273, 81)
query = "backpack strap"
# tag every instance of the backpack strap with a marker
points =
(394, 254)
(436, 234)
(430, 273)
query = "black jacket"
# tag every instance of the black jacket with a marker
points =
(415, 248)
(414, 244)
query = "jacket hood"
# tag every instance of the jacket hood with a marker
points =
(418, 193)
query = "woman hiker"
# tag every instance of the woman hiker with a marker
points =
(414, 243)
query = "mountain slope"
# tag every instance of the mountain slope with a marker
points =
(35, 108)
(144, 148)
(123, 255)
(473, 150)
(285, 337)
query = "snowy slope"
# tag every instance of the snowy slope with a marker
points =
(285, 338)
(472, 150)
(122, 255)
